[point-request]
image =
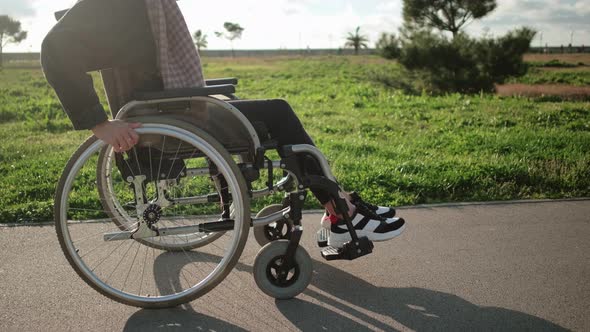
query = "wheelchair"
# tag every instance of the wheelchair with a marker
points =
(164, 223)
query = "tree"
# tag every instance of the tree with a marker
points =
(441, 64)
(10, 32)
(446, 15)
(200, 40)
(464, 64)
(356, 40)
(388, 46)
(234, 31)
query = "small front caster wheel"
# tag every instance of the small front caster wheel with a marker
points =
(274, 231)
(274, 279)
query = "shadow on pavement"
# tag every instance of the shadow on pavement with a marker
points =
(414, 308)
(176, 319)
(181, 318)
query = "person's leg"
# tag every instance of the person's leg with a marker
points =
(278, 116)
(95, 34)
(284, 126)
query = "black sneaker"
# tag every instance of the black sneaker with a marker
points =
(381, 211)
(386, 212)
(371, 226)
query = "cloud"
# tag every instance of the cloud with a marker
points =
(292, 24)
(534, 12)
(17, 9)
(558, 22)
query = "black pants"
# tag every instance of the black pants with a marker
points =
(283, 126)
(101, 34)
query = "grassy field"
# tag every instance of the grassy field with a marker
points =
(393, 148)
(576, 76)
(565, 76)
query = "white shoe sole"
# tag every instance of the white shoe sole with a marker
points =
(338, 240)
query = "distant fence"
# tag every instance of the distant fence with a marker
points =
(21, 60)
(561, 49)
(271, 53)
(10, 57)
(32, 59)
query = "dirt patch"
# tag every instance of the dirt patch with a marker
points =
(544, 90)
(568, 58)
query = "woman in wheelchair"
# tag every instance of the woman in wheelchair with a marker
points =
(137, 205)
(99, 34)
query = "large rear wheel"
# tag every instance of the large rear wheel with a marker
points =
(136, 241)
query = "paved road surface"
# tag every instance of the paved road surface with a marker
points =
(504, 267)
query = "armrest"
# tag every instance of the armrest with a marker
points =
(60, 14)
(222, 81)
(188, 92)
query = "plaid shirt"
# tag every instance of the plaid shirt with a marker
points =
(178, 58)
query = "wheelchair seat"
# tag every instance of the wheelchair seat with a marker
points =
(225, 89)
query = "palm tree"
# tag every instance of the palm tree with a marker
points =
(357, 41)
(200, 39)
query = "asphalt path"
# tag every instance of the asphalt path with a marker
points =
(502, 267)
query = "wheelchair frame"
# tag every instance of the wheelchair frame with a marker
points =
(287, 164)
(284, 249)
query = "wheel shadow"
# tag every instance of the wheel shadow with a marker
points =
(418, 309)
(334, 307)
(182, 318)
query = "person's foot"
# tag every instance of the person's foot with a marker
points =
(362, 206)
(373, 227)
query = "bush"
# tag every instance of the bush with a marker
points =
(442, 64)
(388, 46)
(503, 57)
(464, 64)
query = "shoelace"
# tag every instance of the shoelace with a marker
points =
(367, 210)
(356, 199)
(364, 208)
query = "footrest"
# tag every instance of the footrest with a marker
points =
(350, 250)
(322, 237)
(331, 254)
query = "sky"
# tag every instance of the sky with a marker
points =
(295, 24)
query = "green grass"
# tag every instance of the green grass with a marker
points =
(554, 63)
(393, 148)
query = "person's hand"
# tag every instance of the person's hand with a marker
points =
(119, 134)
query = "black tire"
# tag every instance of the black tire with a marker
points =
(265, 273)
(218, 274)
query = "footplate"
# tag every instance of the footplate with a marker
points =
(322, 237)
(349, 251)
